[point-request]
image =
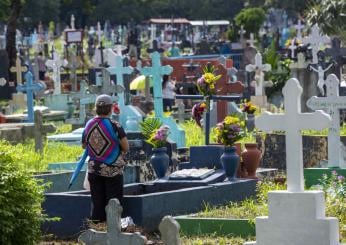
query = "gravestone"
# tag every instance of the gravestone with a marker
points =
(40, 131)
(292, 48)
(295, 216)
(251, 41)
(113, 234)
(19, 99)
(332, 105)
(299, 27)
(29, 88)
(241, 34)
(259, 98)
(73, 64)
(338, 54)
(315, 39)
(55, 64)
(169, 229)
(156, 71)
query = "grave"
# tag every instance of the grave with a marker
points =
(315, 39)
(55, 64)
(156, 71)
(300, 212)
(338, 54)
(259, 99)
(19, 99)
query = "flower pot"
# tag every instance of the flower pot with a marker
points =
(250, 122)
(131, 124)
(160, 161)
(251, 158)
(230, 161)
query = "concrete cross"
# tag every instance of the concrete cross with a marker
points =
(157, 71)
(315, 40)
(299, 27)
(258, 67)
(99, 33)
(29, 88)
(331, 104)
(40, 131)
(292, 47)
(55, 64)
(119, 70)
(293, 121)
(72, 22)
(113, 234)
(252, 40)
(18, 69)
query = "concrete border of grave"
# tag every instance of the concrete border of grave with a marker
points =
(191, 226)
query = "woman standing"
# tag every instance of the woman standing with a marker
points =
(106, 143)
(168, 93)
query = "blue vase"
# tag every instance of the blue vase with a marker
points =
(131, 124)
(250, 122)
(160, 161)
(230, 161)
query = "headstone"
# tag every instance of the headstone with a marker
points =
(29, 88)
(251, 41)
(18, 69)
(169, 229)
(299, 27)
(332, 105)
(315, 39)
(258, 68)
(40, 131)
(295, 216)
(292, 47)
(157, 71)
(56, 63)
(113, 234)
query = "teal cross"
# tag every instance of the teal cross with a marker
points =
(29, 88)
(156, 71)
(119, 70)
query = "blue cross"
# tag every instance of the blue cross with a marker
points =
(119, 70)
(29, 88)
(156, 71)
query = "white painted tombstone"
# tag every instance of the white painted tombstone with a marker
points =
(55, 64)
(299, 27)
(292, 47)
(320, 71)
(252, 40)
(331, 104)
(295, 216)
(113, 234)
(169, 229)
(315, 39)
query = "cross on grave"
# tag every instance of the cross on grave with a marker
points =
(101, 48)
(251, 41)
(320, 68)
(56, 63)
(113, 234)
(293, 121)
(120, 70)
(292, 47)
(258, 67)
(315, 40)
(331, 104)
(299, 27)
(157, 71)
(337, 53)
(40, 131)
(72, 66)
(99, 33)
(241, 33)
(72, 22)
(18, 69)
(29, 88)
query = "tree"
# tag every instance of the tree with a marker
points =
(251, 18)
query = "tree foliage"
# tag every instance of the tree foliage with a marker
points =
(251, 18)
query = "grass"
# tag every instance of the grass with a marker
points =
(215, 240)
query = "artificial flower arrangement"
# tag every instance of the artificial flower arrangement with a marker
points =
(206, 86)
(229, 130)
(248, 107)
(154, 132)
(296, 41)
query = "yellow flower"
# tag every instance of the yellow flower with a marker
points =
(231, 120)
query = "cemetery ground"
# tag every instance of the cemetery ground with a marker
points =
(335, 188)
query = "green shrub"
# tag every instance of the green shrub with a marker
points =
(20, 201)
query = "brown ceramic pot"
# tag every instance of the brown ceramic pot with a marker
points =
(251, 156)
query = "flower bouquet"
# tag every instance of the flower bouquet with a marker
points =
(229, 131)
(206, 83)
(197, 112)
(248, 107)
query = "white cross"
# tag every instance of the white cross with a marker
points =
(99, 33)
(293, 121)
(241, 33)
(301, 62)
(55, 64)
(299, 27)
(72, 22)
(252, 40)
(331, 104)
(321, 73)
(315, 40)
(292, 47)
(258, 67)
(18, 69)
